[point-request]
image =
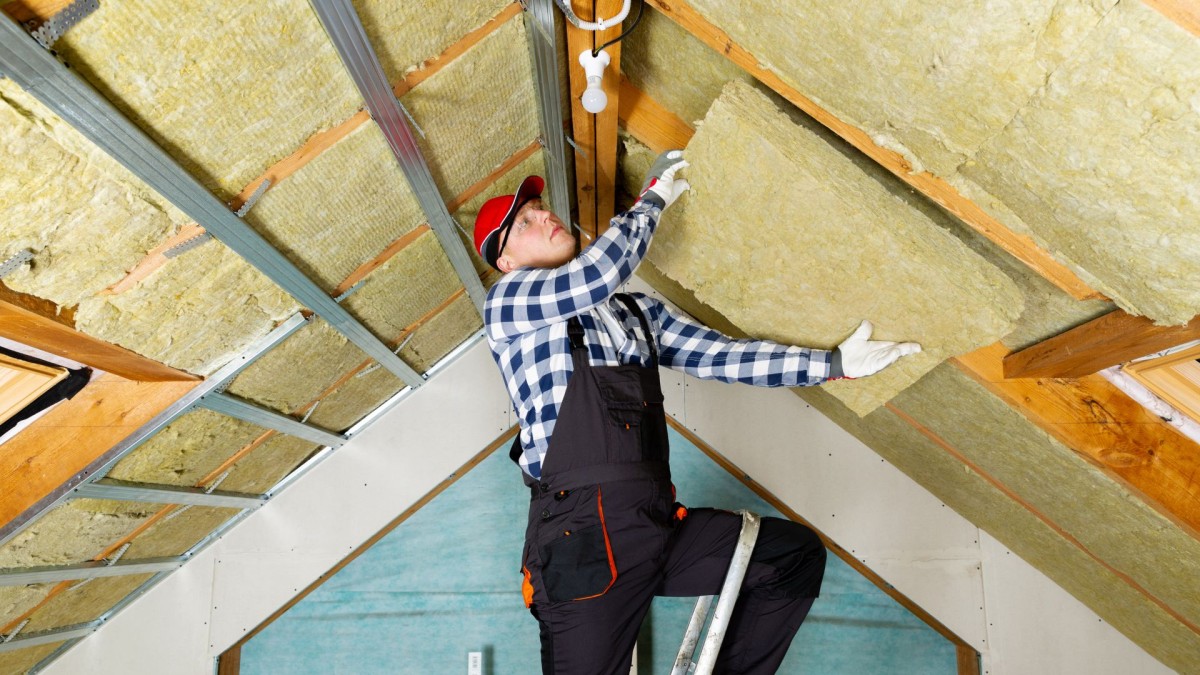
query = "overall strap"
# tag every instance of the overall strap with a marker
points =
(634, 309)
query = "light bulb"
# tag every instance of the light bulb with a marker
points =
(594, 99)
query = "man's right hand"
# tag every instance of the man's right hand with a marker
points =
(661, 185)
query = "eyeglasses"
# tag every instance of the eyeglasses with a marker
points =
(521, 222)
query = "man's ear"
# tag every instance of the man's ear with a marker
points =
(504, 264)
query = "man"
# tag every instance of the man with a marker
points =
(580, 361)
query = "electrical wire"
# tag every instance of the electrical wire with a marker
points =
(627, 31)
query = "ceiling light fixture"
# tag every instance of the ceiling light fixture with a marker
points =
(594, 99)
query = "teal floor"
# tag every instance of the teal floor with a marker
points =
(447, 582)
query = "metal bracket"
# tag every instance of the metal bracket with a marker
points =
(53, 28)
(15, 632)
(571, 142)
(411, 119)
(185, 246)
(254, 197)
(15, 262)
(349, 291)
(374, 367)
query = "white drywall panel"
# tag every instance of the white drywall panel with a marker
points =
(1037, 628)
(259, 564)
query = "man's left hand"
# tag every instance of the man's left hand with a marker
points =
(860, 356)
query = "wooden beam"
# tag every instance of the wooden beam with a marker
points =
(1019, 246)
(1106, 427)
(650, 122)
(606, 120)
(59, 444)
(1114, 338)
(314, 146)
(583, 123)
(33, 10)
(858, 565)
(968, 660)
(1185, 13)
(45, 329)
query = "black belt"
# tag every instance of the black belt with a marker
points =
(600, 473)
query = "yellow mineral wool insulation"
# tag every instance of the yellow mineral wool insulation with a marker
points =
(507, 184)
(227, 87)
(299, 369)
(176, 534)
(404, 34)
(353, 400)
(1068, 489)
(793, 242)
(1008, 444)
(196, 313)
(21, 660)
(405, 288)
(74, 532)
(651, 58)
(1102, 164)
(267, 464)
(341, 209)
(1118, 603)
(16, 600)
(84, 603)
(186, 450)
(85, 217)
(931, 80)
(432, 341)
(477, 111)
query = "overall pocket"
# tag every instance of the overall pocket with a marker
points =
(576, 554)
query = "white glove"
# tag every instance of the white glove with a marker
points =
(861, 356)
(661, 184)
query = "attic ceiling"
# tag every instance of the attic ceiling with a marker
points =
(1039, 149)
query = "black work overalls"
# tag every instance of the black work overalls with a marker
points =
(603, 537)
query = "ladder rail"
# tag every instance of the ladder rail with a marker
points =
(723, 611)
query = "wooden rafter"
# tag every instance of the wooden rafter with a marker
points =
(1106, 427)
(650, 122)
(38, 323)
(1185, 13)
(1114, 338)
(1019, 246)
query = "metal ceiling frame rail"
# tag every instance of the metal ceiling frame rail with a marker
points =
(544, 52)
(72, 633)
(264, 417)
(346, 32)
(127, 491)
(316, 459)
(21, 576)
(40, 74)
(99, 466)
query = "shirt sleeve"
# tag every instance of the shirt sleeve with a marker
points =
(528, 299)
(702, 352)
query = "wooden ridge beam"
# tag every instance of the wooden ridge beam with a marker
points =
(583, 123)
(606, 120)
(38, 323)
(32, 10)
(314, 146)
(1106, 427)
(1018, 245)
(1112, 339)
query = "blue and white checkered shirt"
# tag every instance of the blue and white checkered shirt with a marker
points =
(526, 317)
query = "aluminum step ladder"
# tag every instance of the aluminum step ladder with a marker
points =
(724, 609)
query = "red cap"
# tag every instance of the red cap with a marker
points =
(497, 215)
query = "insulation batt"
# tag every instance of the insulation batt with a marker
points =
(912, 74)
(792, 242)
(1102, 163)
(74, 532)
